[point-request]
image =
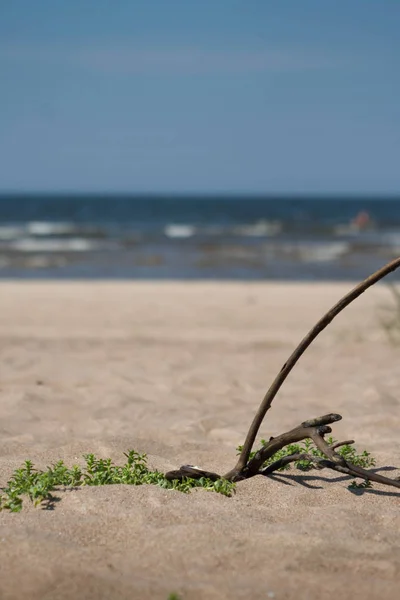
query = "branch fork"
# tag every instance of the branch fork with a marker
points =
(314, 429)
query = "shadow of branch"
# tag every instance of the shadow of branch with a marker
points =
(307, 481)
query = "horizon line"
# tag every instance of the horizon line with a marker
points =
(207, 194)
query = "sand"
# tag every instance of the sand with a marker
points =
(177, 371)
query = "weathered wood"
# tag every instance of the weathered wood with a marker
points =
(314, 429)
(255, 467)
(323, 463)
(192, 472)
(345, 443)
(296, 354)
(277, 443)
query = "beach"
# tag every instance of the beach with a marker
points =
(177, 370)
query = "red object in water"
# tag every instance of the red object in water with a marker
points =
(362, 220)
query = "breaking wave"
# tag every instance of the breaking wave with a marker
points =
(52, 245)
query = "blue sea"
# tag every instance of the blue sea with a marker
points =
(193, 237)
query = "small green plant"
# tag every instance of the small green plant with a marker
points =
(360, 486)
(348, 452)
(37, 485)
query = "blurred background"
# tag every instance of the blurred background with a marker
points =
(238, 139)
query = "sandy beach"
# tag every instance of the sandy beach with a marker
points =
(178, 370)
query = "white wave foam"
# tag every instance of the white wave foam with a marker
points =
(39, 228)
(179, 231)
(10, 232)
(52, 245)
(213, 230)
(346, 229)
(260, 229)
(391, 238)
(323, 252)
(316, 252)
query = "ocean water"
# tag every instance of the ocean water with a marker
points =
(249, 238)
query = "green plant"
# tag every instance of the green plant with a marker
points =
(360, 486)
(37, 485)
(294, 446)
(348, 452)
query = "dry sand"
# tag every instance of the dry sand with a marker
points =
(177, 371)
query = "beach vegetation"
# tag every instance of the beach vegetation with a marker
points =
(306, 446)
(39, 485)
(347, 451)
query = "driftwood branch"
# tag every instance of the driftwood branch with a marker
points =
(294, 357)
(283, 462)
(323, 463)
(355, 471)
(314, 429)
(191, 472)
(345, 443)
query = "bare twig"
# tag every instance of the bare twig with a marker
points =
(288, 366)
(314, 429)
(339, 444)
(350, 469)
(192, 472)
(325, 448)
(282, 462)
(323, 463)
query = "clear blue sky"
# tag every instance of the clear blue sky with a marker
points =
(200, 95)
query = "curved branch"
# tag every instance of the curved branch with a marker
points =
(294, 357)
(314, 429)
(344, 443)
(283, 462)
(323, 463)
(349, 469)
(191, 472)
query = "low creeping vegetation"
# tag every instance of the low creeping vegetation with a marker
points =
(37, 485)
(305, 446)
(348, 452)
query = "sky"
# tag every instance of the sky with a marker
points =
(226, 96)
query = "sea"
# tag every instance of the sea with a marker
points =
(72, 236)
